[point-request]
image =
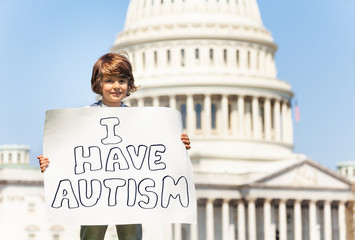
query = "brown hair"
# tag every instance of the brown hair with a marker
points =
(112, 64)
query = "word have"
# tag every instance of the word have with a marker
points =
(118, 191)
(116, 159)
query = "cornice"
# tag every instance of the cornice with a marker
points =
(21, 182)
(249, 34)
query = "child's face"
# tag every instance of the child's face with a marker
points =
(114, 89)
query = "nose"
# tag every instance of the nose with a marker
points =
(116, 84)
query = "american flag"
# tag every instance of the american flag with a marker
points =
(297, 112)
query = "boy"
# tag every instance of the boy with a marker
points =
(112, 78)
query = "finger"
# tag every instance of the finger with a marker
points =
(44, 161)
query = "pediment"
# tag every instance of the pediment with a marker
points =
(305, 174)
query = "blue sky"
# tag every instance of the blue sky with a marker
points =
(47, 49)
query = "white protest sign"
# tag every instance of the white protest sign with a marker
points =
(117, 166)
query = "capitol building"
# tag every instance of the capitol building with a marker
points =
(213, 60)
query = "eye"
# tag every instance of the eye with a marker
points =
(123, 81)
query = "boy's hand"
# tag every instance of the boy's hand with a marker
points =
(43, 163)
(186, 140)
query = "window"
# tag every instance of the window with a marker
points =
(155, 58)
(31, 207)
(143, 60)
(168, 57)
(197, 54)
(31, 236)
(213, 116)
(183, 115)
(211, 54)
(182, 57)
(10, 157)
(198, 110)
(225, 56)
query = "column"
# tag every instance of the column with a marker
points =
(251, 219)
(342, 223)
(6, 157)
(155, 101)
(255, 118)
(207, 115)
(240, 102)
(193, 232)
(224, 118)
(343, 171)
(209, 220)
(169, 230)
(312, 220)
(277, 126)
(140, 102)
(327, 221)
(241, 220)
(23, 157)
(27, 157)
(350, 171)
(190, 114)
(267, 118)
(177, 231)
(172, 102)
(225, 219)
(282, 220)
(267, 219)
(297, 219)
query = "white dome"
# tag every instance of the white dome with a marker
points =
(149, 20)
(213, 60)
